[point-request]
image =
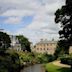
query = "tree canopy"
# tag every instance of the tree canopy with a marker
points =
(64, 17)
(25, 44)
(62, 48)
(4, 41)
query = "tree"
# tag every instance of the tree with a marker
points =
(64, 17)
(4, 41)
(62, 48)
(25, 44)
(10, 61)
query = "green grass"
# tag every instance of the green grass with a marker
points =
(53, 68)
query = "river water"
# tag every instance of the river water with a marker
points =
(34, 68)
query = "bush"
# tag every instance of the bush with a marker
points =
(35, 57)
(66, 59)
(9, 62)
(44, 58)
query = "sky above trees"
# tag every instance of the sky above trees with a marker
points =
(32, 18)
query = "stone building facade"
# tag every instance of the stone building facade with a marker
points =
(70, 49)
(15, 43)
(45, 46)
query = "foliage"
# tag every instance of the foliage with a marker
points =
(9, 62)
(25, 57)
(66, 59)
(43, 58)
(64, 16)
(9, 59)
(4, 41)
(25, 44)
(34, 57)
(62, 48)
(50, 67)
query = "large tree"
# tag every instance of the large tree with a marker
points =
(64, 17)
(4, 41)
(25, 44)
(62, 48)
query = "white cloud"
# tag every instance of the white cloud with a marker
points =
(42, 26)
(36, 35)
(27, 5)
(17, 13)
(13, 20)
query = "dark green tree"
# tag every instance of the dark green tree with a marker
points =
(62, 48)
(64, 17)
(9, 60)
(25, 44)
(4, 41)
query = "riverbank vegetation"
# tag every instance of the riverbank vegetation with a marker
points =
(34, 58)
(9, 62)
(12, 60)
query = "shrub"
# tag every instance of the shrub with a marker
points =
(9, 62)
(44, 58)
(66, 59)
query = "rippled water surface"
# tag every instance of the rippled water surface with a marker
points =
(34, 68)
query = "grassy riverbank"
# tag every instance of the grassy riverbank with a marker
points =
(53, 68)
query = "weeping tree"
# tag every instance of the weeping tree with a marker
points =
(63, 16)
(4, 41)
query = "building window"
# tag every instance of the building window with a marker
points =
(37, 48)
(44, 48)
(47, 49)
(40, 48)
(47, 44)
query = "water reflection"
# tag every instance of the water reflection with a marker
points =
(34, 68)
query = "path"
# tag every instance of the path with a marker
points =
(58, 63)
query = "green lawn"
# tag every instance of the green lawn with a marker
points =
(52, 68)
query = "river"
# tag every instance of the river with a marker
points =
(34, 68)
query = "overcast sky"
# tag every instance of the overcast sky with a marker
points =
(32, 18)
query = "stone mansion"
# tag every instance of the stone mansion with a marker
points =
(45, 46)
